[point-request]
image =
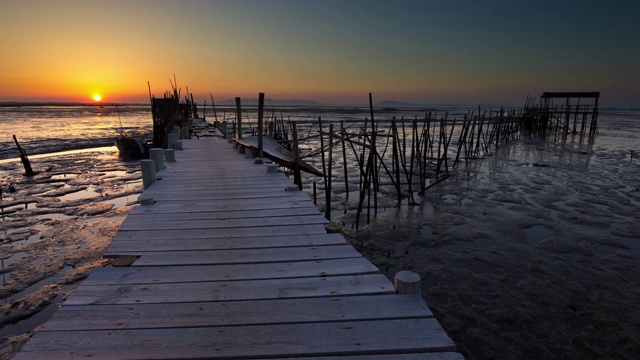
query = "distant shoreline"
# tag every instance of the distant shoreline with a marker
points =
(285, 103)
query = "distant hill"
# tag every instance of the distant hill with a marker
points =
(272, 102)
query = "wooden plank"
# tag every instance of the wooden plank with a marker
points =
(243, 256)
(253, 242)
(313, 339)
(232, 223)
(278, 194)
(196, 273)
(419, 356)
(222, 233)
(169, 207)
(232, 290)
(235, 313)
(221, 184)
(218, 215)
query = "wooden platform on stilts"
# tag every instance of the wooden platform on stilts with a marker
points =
(232, 266)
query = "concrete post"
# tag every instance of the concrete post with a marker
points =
(157, 155)
(148, 169)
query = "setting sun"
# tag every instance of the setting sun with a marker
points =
(97, 97)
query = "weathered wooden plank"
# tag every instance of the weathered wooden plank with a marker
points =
(243, 256)
(178, 206)
(234, 313)
(309, 339)
(218, 215)
(279, 194)
(231, 223)
(231, 290)
(221, 233)
(220, 184)
(195, 273)
(253, 242)
(416, 356)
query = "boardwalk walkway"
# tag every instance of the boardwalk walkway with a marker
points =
(233, 266)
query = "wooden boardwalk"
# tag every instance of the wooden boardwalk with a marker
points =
(232, 266)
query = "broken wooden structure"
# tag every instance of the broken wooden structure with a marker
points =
(562, 112)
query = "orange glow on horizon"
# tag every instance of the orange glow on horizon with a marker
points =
(97, 97)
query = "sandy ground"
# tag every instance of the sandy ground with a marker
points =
(55, 228)
(532, 253)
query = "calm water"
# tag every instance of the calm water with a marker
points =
(44, 129)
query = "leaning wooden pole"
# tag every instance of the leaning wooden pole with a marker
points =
(344, 159)
(28, 171)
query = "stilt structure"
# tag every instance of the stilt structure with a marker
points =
(567, 112)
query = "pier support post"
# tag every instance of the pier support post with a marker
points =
(407, 282)
(272, 168)
(148, 169)
(169, 155)
(185, 132)
(157, 155)
(248, 153)
(178, 145)
(176, 130)
(171, 141)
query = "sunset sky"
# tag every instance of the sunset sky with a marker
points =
(423, 51)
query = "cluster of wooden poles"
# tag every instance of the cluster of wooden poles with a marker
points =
(410, 155)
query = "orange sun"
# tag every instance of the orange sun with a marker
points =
(97, 97)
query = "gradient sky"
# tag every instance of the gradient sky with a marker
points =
(449, 51)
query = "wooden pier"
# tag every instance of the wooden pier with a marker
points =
(231, 264)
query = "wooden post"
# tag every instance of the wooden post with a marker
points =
(327, 210)
(239, 117)
(344, 159)
(28, 171)
(407, 282)
(396, 160)
(296, 169)
(260, 125)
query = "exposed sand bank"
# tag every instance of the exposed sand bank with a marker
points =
(55, 228)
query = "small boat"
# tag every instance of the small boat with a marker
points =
(277, 153)
(131, 148)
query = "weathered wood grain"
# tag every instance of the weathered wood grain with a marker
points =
(332, 338)
(234, 313)
(231, 290)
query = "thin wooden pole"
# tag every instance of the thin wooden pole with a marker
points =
(260, 125)
(327, 210)
(215, 116)
(324, 165)
(297, 179)
(28, 171)
(396, 160)
(344, 159)
(239, 117)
